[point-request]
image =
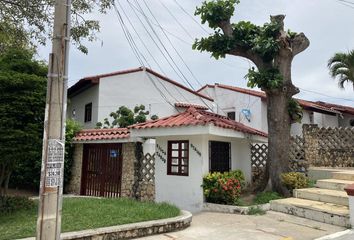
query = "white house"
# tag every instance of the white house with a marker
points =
(250, 108)
(93, 98)
(191, 144)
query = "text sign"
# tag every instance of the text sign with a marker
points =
(55, 163)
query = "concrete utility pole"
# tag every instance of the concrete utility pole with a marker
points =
(51, 187)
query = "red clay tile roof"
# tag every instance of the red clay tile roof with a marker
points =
(102, 134)
(341, 108)
(314, 106)
(188, 105)
(93, 80)
(194, 117)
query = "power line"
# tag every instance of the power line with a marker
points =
(135, 50)
(186, 12)
(346, 3)
(311, 91)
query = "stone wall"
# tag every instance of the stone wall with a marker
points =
(329, 147)
(128, 170)
(75, 181)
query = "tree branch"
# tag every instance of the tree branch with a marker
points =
(299, 43)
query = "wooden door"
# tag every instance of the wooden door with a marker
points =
(102, 170)
(219, 156)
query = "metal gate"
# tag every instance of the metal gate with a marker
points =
(102, 170)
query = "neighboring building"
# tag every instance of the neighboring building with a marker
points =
(93, 98)
(250, 108)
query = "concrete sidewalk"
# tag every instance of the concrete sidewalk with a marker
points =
(344, 235)
(271, 226)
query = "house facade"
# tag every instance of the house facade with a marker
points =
(191, 144)
(250, 108)
(93, 98)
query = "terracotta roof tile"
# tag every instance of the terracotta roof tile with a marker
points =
(93, 80)
(193, 117)
(304, 103)
(341, 108)
(188, 105)
(102, 134)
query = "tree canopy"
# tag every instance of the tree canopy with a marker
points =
(35, 17)
(22, 102)
(125, 117)
(341, 66)
(271, 49)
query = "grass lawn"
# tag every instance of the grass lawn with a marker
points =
(86, 213)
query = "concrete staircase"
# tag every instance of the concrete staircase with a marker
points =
(327, 202)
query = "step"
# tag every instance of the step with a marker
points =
(314, 210)
(323, 195)
(347, 175)
(334, 184)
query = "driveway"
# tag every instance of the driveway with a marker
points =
(271, 226)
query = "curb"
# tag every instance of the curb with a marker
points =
(132, 230)
(213, 207)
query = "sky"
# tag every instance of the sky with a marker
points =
(329, 25)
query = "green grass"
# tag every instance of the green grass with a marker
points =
(265, 197)
(256, 211)
(86, 213)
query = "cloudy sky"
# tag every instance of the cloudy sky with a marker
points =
(329, 24)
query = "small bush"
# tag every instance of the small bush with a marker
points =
(265, 197)
(10, 204)
(223, 188)
(256, 211)
(294, 180)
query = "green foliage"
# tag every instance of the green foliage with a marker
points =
(295, 110)
(223, 188)
(125, 117)
(264, 79)
(260, 39)
(36, 17)
(266, 197)
(10, 204)
(72, 127)
(22, 103)
(294, 180)
(341, 66)
(256, 211)
(216, 11)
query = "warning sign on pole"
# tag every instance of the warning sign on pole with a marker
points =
(55, 163)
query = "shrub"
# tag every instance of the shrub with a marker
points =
(10, 204)
(294, 180)
(224, 188)
(265, 197)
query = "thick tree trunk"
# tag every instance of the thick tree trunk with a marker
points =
(278, 139)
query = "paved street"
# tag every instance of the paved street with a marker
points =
(272, 226)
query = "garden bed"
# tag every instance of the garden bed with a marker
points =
(87, 213)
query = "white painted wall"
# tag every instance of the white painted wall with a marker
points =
(183, 191)
(78, 102)
(186, 191)
(228, 101)
(296, 128)
(325, 120)
(134, 89)
(345, 121)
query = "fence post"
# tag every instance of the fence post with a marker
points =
(311, 145)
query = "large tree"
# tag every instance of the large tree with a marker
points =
(272, 50)
(22, 102)
(341, 66)
(36, 17)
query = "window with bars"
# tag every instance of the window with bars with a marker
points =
(178, 158)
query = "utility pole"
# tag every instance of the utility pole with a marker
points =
(52, 171)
